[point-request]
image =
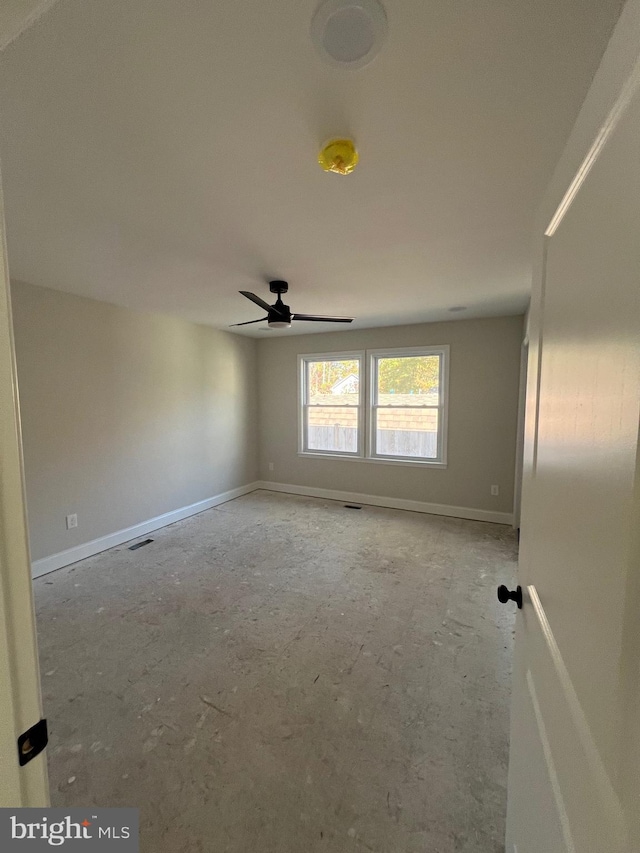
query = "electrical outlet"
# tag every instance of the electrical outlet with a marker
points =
(72, 521)
(495, 490)
(271, 466)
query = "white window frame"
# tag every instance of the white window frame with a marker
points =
(443, 403)
(367, 405)
(303, 405)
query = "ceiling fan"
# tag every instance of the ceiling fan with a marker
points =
(279, 315)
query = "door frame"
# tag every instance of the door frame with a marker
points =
(20, 696)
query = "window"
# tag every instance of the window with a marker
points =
(408, 391)
(403, 419)
(332, 404)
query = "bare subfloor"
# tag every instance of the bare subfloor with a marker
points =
(285, 675)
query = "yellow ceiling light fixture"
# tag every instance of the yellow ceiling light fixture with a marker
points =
(339, 156)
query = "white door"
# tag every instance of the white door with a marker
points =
(574, 768)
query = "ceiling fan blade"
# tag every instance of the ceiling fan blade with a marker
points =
(248, 322)
(318, 318)
(259, 301)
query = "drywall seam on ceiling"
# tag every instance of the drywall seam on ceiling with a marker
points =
(13, 29)
(111, 540)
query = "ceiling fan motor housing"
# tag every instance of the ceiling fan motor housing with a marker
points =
(280, 318)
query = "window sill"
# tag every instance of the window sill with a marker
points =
(412, 463)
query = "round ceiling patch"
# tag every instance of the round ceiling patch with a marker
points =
(349, 33)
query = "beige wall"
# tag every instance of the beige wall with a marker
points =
(483, 410)
(126, 415)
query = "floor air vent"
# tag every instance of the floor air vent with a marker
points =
(352, 506)
(140, 544)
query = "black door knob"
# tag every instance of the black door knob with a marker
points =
(505, 595)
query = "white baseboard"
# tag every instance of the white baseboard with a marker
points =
(391, 503)
(88, 549)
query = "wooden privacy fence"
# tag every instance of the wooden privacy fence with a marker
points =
(406, 426)
(403, 442)
(336, 437)
(422, 444)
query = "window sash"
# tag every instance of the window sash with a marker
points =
(440, 407)
(305, 362)
(376, 358)
(375, 428)
(402, 406)
(418, 408)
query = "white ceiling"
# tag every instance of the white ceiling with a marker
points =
(161, 154)
(18, 15)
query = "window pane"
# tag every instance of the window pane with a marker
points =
(409, 380)
(332, 429)
(407, 432)
(333, 382)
